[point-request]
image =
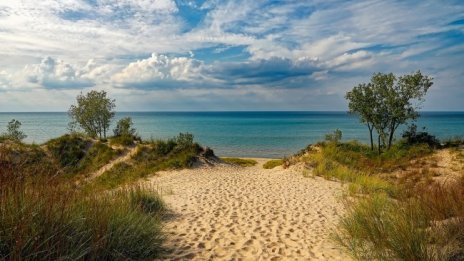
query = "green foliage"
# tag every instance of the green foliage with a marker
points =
(334, 137)
(124, 127)
(240, 162)
(184, 140)
(13, 131)
(388, 102)
(155, 156)
(69, 149)
(93, 113)
(79, 155)
(124, 140)
(273, 163)
(412, 136)
(48, 220)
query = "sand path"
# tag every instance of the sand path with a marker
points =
(232, 213)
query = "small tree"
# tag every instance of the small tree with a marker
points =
(13, 131)
(124, 128)
(93, 113)
(361, 99)
(388, 102)
(334, 137)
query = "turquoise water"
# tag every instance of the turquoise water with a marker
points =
(246, 134)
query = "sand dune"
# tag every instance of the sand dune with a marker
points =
(232, 213)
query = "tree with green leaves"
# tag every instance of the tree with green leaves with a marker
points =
(361, 100)
(387, 102)
(13, 131)
(93, 113)
(124, 128)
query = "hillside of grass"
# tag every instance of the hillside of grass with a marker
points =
(404, 204)
(46, 214)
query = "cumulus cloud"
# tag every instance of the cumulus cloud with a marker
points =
(159, 68)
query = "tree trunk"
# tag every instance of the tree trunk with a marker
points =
(370, 134)
(379, 144)
(392, 132)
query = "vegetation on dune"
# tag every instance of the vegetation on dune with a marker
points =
(77, 154)
(240, 162)
(124, 133)
(388, 102)
(45, 215)
(153, 156)
(13, 132)
(273, 163)
(92, 113)
(389, 218)
(44, 218)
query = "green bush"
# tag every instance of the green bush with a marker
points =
(240, 162)
(273, 163)
(69, 149)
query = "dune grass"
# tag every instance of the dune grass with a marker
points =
(44, 215)
(392, 219)
(273, 163)
(46, 218)
(240, 162)
(153, 156)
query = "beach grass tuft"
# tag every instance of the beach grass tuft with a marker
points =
(273, 163)
(240, 162)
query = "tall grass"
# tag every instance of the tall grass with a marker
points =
(47, 219)
(393, 220)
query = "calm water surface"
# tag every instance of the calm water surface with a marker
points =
(246, 134)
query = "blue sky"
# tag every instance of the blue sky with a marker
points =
(167, 55)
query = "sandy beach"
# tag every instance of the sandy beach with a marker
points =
(225, 212)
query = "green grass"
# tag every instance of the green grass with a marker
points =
(388, 219)
(240, 162)
(151, 157)
(44, 218)
(273, 163)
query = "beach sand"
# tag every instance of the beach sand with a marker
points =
(225, 212)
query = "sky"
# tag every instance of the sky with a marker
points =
(209, 55)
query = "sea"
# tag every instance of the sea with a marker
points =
(245, 134)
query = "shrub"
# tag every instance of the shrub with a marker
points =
(411, 137)
(124, 127)
(13, 131)
(184, 140)
(273, 163)
(334, 137)
(240, 162)
(69, 149)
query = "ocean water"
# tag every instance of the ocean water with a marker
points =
(246, 134)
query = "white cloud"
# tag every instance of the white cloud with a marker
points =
(160, 67)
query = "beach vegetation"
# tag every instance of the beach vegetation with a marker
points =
(240, 162)
(391, 217)
(334, 137)
(388, 102)
(153, 156)
(13, 132)
(124, 133)
(45, 218)
(273, 163)
(93, 113)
